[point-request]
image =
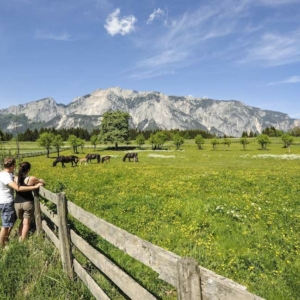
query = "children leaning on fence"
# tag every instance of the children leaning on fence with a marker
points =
(7, 185)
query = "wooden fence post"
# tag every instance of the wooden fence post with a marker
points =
(64, 236)
(37, 212)
(188, 279)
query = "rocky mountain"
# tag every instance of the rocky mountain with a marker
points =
(148, 110)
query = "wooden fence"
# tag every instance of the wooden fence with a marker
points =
(191, 281)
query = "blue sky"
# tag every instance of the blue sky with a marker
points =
(246, 50)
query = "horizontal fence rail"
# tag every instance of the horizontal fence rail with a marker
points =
(160, 260)
(192, 282)
(36, 152)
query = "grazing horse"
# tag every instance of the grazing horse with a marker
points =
(130, 156)
(89, 157)
(83, 160)
(106, 159)
(66, 159)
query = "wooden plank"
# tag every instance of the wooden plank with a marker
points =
(93, 287)
(159, 259)
(48, 195)
(37, 212)
(188, 279)
(50, 234)
(64, 236)
(216, 287)
(130, 287)
(53, 217)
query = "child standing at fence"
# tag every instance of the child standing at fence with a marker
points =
(24, 201)
(7, 185)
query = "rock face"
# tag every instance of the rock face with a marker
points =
(148, 110)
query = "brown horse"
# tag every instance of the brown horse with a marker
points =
(105, 159)
(93, 156)
(66, 159)
(130, 156)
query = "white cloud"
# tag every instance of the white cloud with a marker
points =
(123, 26)
(293, 79)
(222, 32)
(149, 74)
(276, 49)
(64, 36)
(157, 13)
(168, 56)
(277, 2)
(181, 44)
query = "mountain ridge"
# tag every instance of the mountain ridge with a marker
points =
(148, 111)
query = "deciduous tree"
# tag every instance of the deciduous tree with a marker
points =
(158, 139)
(81, 143)
(114, 127)
(45, 140)
(226, 142)
(178, 140)
(57, 143)
(215, 142)
(140, 140)
(94, 141)
(287, 140)
(74, 142)
(263, 140)
(199, 140)
(244, 141)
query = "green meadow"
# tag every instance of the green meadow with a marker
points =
(236, 211)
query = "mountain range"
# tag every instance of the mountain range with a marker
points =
(148, 111)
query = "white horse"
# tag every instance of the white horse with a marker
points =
(83, 160)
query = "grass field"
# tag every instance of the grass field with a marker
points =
(235, 211)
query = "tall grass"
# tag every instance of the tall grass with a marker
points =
(32, 270)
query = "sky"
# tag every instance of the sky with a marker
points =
(245, 50)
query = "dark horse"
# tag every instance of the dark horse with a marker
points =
(105, 159)
(130, 156)
(89, 157)
(66, 159)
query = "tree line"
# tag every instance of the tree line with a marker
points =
(273, 132)
(114, 128)
(4, 136)
(33, 135)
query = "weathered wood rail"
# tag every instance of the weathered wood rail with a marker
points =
(191, 281)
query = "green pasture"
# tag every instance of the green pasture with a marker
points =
(235, 211)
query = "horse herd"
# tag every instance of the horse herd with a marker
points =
(74, 160)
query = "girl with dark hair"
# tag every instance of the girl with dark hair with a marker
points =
(24, 201)
(7, 186)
